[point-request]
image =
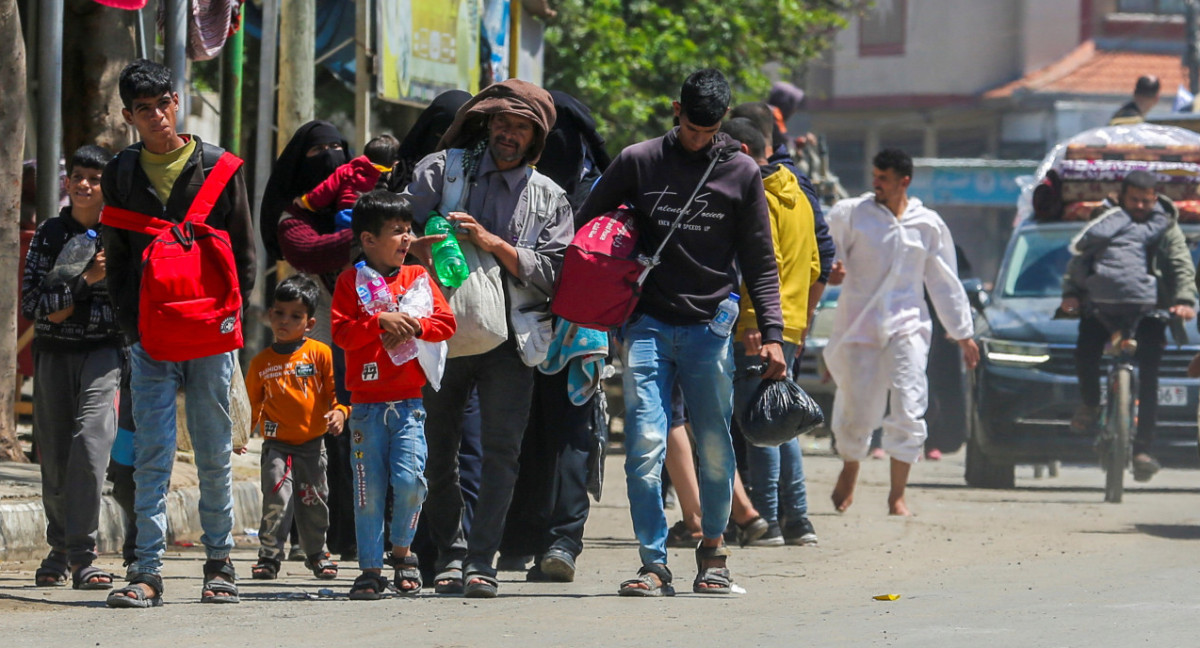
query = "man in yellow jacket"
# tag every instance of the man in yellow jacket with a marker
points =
(776, 475)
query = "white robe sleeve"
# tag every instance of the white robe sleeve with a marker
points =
(945, 290)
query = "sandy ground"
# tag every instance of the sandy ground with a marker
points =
(1046, 564)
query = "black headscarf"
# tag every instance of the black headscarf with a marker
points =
(423, 137)
(295, 174)
(571, 141)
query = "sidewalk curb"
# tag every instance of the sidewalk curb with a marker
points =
(23, 522)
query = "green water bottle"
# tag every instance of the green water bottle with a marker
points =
(448, 260)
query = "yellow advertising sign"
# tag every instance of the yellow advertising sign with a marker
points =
(427, 47)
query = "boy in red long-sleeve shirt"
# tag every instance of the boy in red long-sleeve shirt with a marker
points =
(387, 425)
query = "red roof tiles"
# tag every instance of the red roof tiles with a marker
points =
(1088, 71)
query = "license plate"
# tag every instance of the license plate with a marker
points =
(1172, 395)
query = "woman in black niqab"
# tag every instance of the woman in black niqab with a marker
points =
(314, 152)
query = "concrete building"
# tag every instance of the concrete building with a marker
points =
(996, 78)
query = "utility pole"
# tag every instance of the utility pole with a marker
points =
(49, 102)
(232, 59)
(176, 55)
(297, 48)
(1191, 56)
(363, 66)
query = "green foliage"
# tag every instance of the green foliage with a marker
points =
(627, 58)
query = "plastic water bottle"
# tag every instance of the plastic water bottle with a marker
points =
(78, 252)
(376, 297)
(727, 313)
(448, 260)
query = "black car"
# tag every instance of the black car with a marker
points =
(1023, 393)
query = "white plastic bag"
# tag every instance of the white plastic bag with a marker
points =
(418, 302)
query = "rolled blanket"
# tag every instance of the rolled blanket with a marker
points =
(582, 352)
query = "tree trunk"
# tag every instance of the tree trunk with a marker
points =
(92, 65)
(12, 129)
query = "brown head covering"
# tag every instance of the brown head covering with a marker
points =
(515, 97)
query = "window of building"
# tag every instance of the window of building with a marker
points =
(881, 29)
(1167, 7)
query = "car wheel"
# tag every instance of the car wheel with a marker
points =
(983, 471)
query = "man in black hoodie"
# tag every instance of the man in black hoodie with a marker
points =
(668, 339)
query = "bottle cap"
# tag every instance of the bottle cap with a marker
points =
(91, 233)
(360, 264)
(735, 297)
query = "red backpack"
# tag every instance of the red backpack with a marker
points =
(190, 304)
(598, 287)
(602, 273)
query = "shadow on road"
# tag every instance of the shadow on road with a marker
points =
(1170, 531)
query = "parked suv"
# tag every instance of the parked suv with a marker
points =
(1021, 396)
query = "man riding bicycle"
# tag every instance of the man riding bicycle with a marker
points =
(1128, 261)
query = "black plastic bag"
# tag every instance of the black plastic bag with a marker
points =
(779, 412)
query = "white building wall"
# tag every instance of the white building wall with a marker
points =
(952, 47)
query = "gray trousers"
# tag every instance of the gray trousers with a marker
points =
(74, 424)
(505, 387)
(293, 484)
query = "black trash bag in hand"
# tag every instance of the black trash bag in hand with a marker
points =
(778, 412)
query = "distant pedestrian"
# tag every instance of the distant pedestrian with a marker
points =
(1145, 96)
(892, 247)
(670, 337)
(294, 403)
(387, 423)
(518, 222)
(78, 356)
(161, 176)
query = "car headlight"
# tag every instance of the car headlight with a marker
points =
(1019, 354)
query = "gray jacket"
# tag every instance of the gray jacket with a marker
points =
(1116, 260)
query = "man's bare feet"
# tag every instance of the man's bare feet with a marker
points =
(899, 480)
(843, 491)
(897, 506)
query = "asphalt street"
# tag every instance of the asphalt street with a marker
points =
(1046, 564)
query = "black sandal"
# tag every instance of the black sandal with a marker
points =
(119, 598)
(221, 590)
(449, 581)
(265, 569)
(320, 565)
(653, 588)
(681, 537)
(487, 587)
(368, 587)
(718, 576)
(408, 570)
(81, 578)
(53, 571)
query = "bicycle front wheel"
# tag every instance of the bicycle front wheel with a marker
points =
(1119, 422)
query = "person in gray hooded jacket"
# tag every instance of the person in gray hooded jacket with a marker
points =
(1127, 261)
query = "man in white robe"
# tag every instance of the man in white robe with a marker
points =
(892, 248)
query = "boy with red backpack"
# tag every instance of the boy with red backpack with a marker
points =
(180, 260)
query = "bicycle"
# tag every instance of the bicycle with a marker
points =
(1119, 418)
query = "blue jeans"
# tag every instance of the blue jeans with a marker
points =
(775, 473)
(387, 443)
(656, 356)
(153, 384)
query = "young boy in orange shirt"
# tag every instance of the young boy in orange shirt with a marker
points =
(388, 422)
(293, 400)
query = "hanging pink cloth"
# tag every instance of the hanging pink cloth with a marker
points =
(131, 5)
(211, 23)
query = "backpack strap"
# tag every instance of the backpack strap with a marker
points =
(453, 182)
(127, 219)
(653, 261)
(202, 205)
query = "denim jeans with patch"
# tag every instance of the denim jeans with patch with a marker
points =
(387, 446)
(657, 355)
